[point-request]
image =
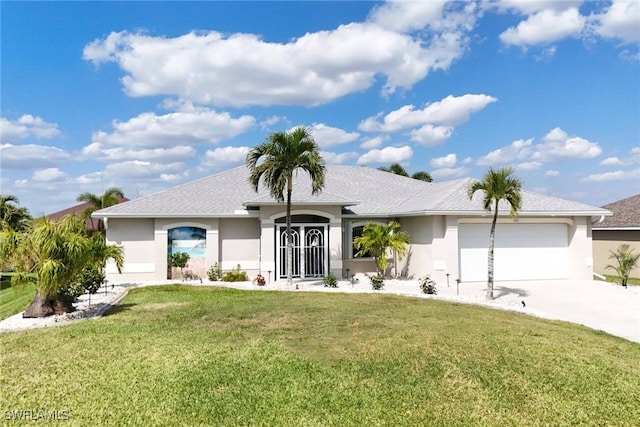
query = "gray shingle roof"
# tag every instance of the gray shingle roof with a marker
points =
(626, 214)
(362, 190)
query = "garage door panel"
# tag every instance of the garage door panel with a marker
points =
(521, 252)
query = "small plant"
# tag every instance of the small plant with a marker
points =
(428, 285)
(626, 261)
(214, 273)
(377, 282)
(330, 281)
(235, 275)
(88, 281)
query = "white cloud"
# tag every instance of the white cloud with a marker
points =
(49, 174)
(618, 175)
(621, 20)
(224, 156)
(450, 111)
(205, 67)
(98, 151)
(407, 15)
(369, 143)
(558, 145)
(326, 136)
(448, 173)
(138, 169)
(545, 26)
(527, 7)
(517, 150)
(190, 126)
(27, 126)
(31, 156)
(529, 165)
(430, 136)
(331, 158)
(444, 162)
(387, 155)
(611, 161)
(268, 123)
(552, 173)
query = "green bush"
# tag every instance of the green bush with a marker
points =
(88, 281)
(377, 282)
(214, 273)
(330, 281)
(428, 285)
(235, 275)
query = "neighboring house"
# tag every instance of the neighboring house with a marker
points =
(609, 233)
(93, 224)
(220, 219)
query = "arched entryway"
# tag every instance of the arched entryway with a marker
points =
(309, 235)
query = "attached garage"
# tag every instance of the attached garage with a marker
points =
(522, 251)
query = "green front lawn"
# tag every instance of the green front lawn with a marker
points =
(199, 356)
(14, 299)
(616, 279)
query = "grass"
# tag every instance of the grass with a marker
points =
(616, 279)
(14, 299)
(198, 356)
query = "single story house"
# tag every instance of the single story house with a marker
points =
(221, 219)
(610, 232)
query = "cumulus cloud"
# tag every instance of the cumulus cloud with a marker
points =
(369, 143)
(223, 157)
(529, 165)
(621, 21)
(49, 174)
(618, 175)
(611, 161)
(444, 162)
(450, 111)
(386, 155)
(331, 158)
(448, 173)
(552, 173)
(545, 26)
(326, 136)
(189, 126)
(31, 156)
(139, 169)
(400, 43)
(430, 135)
(27, 126)
(517, 150)
(558, 145)
(98, 151)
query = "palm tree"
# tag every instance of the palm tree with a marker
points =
(626, 260)
(112, 196)
(497, 185)
(51, 254)
(12, 216)
(377, 239)
(275, 161)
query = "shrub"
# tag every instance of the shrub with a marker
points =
(428, 285)
(235, 275)
(377, 282)
(87, 281)
(70, 292)
(214, 273)
(330, 281)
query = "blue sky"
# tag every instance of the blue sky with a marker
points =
(148, 95)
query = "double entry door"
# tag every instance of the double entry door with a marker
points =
(310, 251)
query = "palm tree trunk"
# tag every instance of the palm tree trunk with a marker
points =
(492, 238)
(289, 239)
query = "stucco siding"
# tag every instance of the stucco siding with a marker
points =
(605, 241)
(136, 237)
(240, 244)
(419, 259)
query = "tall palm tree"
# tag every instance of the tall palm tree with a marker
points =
(12, 216)
(377, 239)
(497, 185)
(275, 161)
(112, 196)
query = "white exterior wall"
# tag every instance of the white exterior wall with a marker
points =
(580, 249)
(240, 244)
(419, 259)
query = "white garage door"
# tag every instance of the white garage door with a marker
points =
(522, 251)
